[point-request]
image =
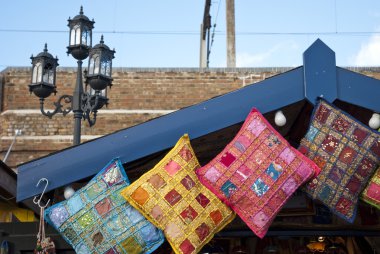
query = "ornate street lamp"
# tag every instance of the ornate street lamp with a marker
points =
(84, 104)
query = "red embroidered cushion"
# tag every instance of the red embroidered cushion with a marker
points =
(257, 173)
(348, 154)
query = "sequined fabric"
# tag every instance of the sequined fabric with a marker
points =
(348, 154)
(172, 198)
(96, 219)
(256, 173)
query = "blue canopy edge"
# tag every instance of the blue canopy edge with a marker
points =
(318, 76)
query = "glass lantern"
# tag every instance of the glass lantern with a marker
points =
(44, 67)
(100, 66)
(101, 94)
(80, 40)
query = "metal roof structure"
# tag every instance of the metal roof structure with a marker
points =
(319, 76)
(8, 183)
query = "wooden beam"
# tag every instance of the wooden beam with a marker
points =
(7, 183)
(230, 21)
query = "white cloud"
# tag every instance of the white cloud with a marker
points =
(244, 59)
(369, 53)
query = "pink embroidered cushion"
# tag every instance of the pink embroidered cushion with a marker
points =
(257, 172)
(172, 198)
(348, 153)
(371, 193)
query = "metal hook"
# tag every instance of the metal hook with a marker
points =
(38, 202)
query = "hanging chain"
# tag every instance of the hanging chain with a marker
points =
(44, 244)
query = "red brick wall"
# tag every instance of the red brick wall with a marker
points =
(156, 91)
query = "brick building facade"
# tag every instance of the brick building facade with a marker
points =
(137, 95)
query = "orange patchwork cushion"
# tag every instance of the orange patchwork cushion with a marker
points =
(172, 198)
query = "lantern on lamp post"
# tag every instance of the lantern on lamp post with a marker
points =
(98, 77)
(84, 104)
(80, 40)
(44, 67)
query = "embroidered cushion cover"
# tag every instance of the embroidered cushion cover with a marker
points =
(257, 172)
(97, 219)
(346, 151)
(371, 193)
(173, 199)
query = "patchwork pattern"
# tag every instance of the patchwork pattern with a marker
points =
(371, 193)
(96, 219)
(172, 198)
(257, 172)
(348, 154)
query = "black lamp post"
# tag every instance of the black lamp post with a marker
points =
(84, 104)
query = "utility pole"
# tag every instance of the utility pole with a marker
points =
(202, 52)
(230, 21)
(205, 37)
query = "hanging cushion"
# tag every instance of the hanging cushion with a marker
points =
(371, 193)
(348, 154)
(257, 172)
(173, 199)
(97, 219)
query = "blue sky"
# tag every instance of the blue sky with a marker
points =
(165, 33)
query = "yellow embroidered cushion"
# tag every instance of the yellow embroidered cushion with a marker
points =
(371, 193)
(172, 198)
